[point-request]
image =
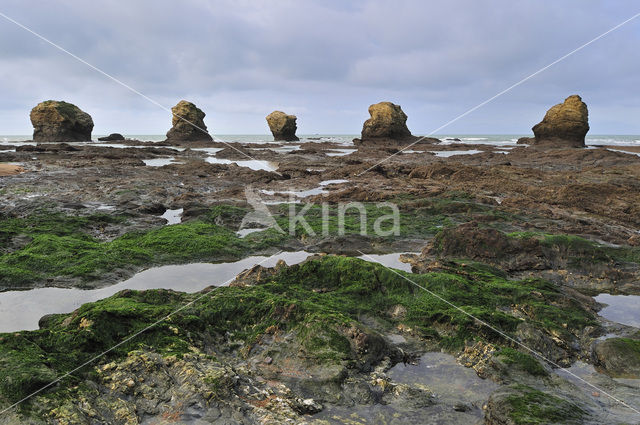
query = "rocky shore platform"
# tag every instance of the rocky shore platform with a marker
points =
(518, 240)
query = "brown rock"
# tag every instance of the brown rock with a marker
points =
(10, 170)
(565, 124)
(282, 126)
(387, 121)
(188, 123)
(57, 121)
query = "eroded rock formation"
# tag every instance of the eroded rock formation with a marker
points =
(188, 123)
(564, 125)
(57, 121)
(282, 126)
(387, 121)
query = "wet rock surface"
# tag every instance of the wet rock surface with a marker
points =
(521, 238)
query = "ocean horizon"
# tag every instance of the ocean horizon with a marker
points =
(488, 139)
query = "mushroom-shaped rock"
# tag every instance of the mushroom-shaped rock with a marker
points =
(387, 121)
(282, 126)
(565, 124)
(188, 123)
(111, 138)
(57, 121)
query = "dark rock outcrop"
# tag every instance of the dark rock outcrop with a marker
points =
(387, 121)
(188, 123)
(112, 137)
(564, 125)
(57, 121)
(282, 126)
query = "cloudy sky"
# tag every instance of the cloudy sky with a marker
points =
(325, 61)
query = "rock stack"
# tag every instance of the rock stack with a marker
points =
(57, 121)
(188, 124)
(282, 126)
(565, 125)
(387, 121)
(388, 124)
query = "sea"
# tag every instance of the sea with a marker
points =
(347, 139)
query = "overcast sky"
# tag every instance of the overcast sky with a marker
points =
(325, 61)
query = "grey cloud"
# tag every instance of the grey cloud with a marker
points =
(325, 61)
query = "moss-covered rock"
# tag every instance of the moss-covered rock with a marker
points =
(304, 318)
(523, 405)
(618, 357)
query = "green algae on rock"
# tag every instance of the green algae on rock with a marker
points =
(302, 322)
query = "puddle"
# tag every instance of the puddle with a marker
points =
(173, 216)
(340, 152)
(623, 309)
(282, 149)
(328, 182)
(253, 164)
(120, 146)
(304, 193)
(21, 310)
(210, 151)
(99, 206)
(244, 232)
(441, 374)
(159, 162)
(623, 389)
(623, 151)
(453, 385)
(447, 154)
(389, 260)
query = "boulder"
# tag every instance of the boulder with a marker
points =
(188, 123)
(564, 125)
(282, 126)
(387, 121)
(618, 357)
(112, 137)
(57, 121)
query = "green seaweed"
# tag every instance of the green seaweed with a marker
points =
(533, 407)
(316, 300)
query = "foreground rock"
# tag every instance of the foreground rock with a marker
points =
(188, 123)
(387, 121)
(10, 170)
(564, 125)
(282, 126)
(57, 121)
(305, 340)
(112, 137)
